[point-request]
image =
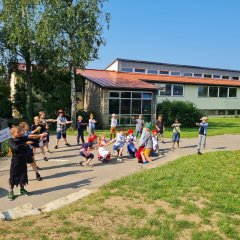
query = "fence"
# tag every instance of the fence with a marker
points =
(4, 135)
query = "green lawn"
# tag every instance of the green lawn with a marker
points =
(217, 126)
(194, 197)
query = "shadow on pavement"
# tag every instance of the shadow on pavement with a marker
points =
(63, 157)
(59, 166)
(3, 192)
(190, 146)
(64, 186)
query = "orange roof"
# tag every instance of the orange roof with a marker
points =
(113, 79)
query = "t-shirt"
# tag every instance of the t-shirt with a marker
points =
(146, 140)
(160, 125)
(80, 125)
(91, 123)
(40, 131)
(203, 128)
(176, 127)
(139, 124)
(120, 141)
(131, 138)
(60, 127)
(113, 122)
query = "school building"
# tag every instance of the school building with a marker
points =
(130, 87)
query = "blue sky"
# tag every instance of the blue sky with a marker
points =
(192, 32)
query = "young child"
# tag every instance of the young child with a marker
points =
(18, 170)
(86, 154)
(176, 133)
(139, 125)
(44, 121)
(62, 128)
(146, 140)
(37, 129)
(155, 140)
(160, 127)
(103, 154)
(113, 126)
(30, 156)
(131, 146)
(80, 127)
(202, 134)
(91, 140)
(119, 144)
(91, 125)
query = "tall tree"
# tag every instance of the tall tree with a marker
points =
(18, 21)
(72, 30)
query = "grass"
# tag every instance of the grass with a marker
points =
(194, 197)
(217, 126)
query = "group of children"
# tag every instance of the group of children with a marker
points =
(25, 140)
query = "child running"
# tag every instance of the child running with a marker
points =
(202, 134)
(176, 133)
(103, 154)
(131, 146)
(119, 144)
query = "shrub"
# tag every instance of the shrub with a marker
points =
(185, 111)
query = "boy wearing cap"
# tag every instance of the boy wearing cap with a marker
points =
(62, 128)
(203, 126)
(113, 126)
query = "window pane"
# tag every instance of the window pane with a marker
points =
(177, 90)
(165, 89)
(114, 94)
(136, 106)
(207, 76)
(187, 74)
(147, 95)
(152, 71)
(225, 77)
(146, 107)
(202, 91)
(213, 91)
(164, 72)
(147, 118)
(175, 73)
(231, 112)
(125, 106)
(223, 92)
(124, 120)
(232, 92)
(197, 75)
(235, 78)
(114, 106)
(136, 95)
(139, 70)
(238, 112)
(127, 69)
(216, 76)
(221, 112)
(126, 95)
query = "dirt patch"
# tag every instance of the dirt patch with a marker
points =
(186, 235)
(191, 218)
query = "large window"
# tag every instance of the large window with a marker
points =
(175, 73)
(140, 70)
(129, 104)
(152, 71)
(187, 74)
(214, 91)
(166, 89)
(164, 72)
(125, 69)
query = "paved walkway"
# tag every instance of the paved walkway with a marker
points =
(63, 175)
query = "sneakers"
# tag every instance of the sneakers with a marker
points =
(24, 192)
(119, 159)
(11, 196)
(81, 163)
(145, 162)
(199, 153)
(68, 145)
(56, 147)
(38, 177)
(45, 159)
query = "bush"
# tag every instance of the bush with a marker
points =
(185, 111)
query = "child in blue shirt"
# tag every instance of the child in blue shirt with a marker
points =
(203, 126)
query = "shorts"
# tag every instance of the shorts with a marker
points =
(87, 157)
(113, 130)
(176, 137)
(61, 134)
(147, 152)
(117, 147)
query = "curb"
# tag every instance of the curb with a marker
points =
(29, 210)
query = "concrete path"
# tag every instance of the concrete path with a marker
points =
(62, 174)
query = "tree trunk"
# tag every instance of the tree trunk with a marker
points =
(29, 103)
(73, 93)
